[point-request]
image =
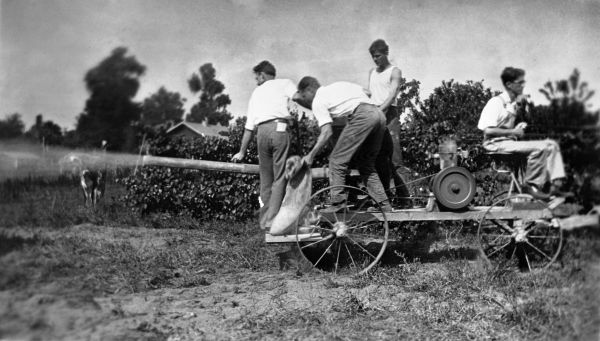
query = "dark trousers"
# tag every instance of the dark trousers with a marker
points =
(273, 147)
(390, 158)
(360, 141)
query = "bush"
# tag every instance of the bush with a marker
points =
(451, 111)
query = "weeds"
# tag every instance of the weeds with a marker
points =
(111, 249)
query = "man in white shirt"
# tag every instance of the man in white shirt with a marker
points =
(360, 140)
(268, 113)
(384, 85)
(497, 121)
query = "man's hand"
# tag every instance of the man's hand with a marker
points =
(307, 159)
(521, 125)
(238, 157)
(518, 132)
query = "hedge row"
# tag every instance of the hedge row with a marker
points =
(451, 111)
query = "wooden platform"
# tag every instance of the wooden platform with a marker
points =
(474, 213)
(291, 238)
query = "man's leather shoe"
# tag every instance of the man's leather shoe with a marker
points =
(555, 190)
(535, 192)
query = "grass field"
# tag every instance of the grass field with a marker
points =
(69, 272)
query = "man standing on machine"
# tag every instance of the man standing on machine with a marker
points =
(384, 85)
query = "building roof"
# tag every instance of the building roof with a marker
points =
(200, 129)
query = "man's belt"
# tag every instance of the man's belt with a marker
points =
(274, 120)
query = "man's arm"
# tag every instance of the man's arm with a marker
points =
(367, 91)
(395, 87)
(245, 141)
(488, 122)
(517, 131)
(322, 140)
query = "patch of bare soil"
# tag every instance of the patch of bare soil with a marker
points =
(100, 283)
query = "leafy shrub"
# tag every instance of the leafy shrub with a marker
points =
(450, 112)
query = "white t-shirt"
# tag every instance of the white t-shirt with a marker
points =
(269, 101)
(380, 85)
(337, 100)
(499, 112)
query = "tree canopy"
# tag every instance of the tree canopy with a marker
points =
(212, 104)
(12, 126)
(46, 132)
(110, 109)
(162, 107)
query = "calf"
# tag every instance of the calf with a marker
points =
(93, 182)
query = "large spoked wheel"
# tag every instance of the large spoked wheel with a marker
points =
(516, 231)
(350, 239)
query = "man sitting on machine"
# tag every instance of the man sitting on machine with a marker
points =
(500, 134)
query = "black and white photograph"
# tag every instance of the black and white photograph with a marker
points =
(299, 170)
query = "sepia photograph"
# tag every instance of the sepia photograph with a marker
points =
(309, 170)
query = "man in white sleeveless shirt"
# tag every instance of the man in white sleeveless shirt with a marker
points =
(360, 140)
(497, 121)
(268, 113)
(384, 85)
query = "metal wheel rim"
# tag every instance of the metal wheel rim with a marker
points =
(529, 244)
(339, 248)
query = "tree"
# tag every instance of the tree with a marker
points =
(568, 120)
(47, 132)
(12, 126)
(212, 105)
(110, 110)
(568, 91)
(162, 107)
(451, 111)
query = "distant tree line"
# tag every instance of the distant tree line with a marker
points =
(110, 112)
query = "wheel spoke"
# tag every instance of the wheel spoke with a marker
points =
(527, 260)
(358, 209)
(538, 250)
(370, 229)
(360, 246)
(530, 225)
(491, 235)
(350, 254)
(513, 253)
(322, 228)
(328, 220)
(325, 252)
(543, 237)
(318, 241)
(337, 260)
(498, 249)
(502, 225)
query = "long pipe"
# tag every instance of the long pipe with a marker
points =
(148, 160)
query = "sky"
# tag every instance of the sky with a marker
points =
(47, 46)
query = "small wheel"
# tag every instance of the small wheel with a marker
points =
(517, 231)
(454, 188)
(350, 240)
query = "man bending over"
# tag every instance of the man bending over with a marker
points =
(359, 140)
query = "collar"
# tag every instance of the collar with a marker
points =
(505, 97)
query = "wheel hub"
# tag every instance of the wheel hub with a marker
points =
(340, 229)
(520, 234)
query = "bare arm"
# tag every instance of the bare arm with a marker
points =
(245, 141)
(368, 89)
(517, 131)
(395, 82)
(324, 136)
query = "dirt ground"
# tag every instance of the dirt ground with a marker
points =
(90, 282)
